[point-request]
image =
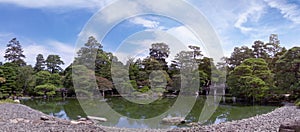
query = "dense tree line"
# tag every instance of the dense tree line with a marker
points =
(264, 71)
(18, 79)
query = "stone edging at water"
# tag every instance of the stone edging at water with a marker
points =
(269, 122)
(17, 117)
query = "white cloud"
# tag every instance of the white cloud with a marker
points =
(144, 22)
(32, 49)
(62, 4)
(65, 51)
(253, 14)
(288, 10)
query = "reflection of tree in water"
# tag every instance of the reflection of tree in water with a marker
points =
(71, 108)
(139, 111)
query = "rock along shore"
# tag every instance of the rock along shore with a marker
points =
(269, 122)
(17, 117)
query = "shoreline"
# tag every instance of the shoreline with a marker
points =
(18, 117)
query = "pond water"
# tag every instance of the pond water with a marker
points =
(70, 108)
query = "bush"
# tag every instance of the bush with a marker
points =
(6, 101)
(297, 102)
(144, 89)
(161, 90)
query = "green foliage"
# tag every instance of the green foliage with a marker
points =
(67, 80)
(87, 53)
(159, 90)
(53, 63)
(83, 79)
(5, 101)
(239, 55)
(25, 79)
(42, 77)
(297, 102)
(46, 89)
(144, 89)
(45, 78)
(55, 79)
(14, 53)
(288, 72)
(160, 52)
(10, 75)
(40, 63)
(251, 79)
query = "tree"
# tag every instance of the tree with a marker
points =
(250, 79)
(14, 53)
(46, 89)
(288, 71)
(42, 77)
(53, 63)
(25, 79)
(196, 51)
(104, 84)
(47, 83)
(83, 79)
(188, 65)
(259, 50)
(87, 54)
(160, 52)
(103, 63)
(239, 55)
(9, 73)
(40, 63)
(2, 80)
(67, 80)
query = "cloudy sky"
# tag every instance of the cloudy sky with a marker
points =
(53, 27)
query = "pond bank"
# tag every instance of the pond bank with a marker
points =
(266, 122)
(17, 117)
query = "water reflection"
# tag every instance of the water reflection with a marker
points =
(69, 109)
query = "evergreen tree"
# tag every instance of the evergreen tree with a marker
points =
(53, 63)
(40, 63)
(288, 72)
(160, 52)
(87, 54)
(250, 79)
(10, 73)
(14, 53)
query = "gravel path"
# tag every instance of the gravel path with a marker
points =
(20, 118)
(269, 122)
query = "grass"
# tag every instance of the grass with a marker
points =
(6, 101)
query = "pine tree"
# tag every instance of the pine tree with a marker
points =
(14, 53)
(53, 63)
(40, 63)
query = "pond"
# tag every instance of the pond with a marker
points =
(70, 108)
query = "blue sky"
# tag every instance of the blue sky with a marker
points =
(53, 27)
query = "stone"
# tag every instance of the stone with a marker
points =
(82, 119)
(44, 118)
(50, 122)
(97, 118)
(15, 121)
(26, 121)
(290, 126)
(192, 124)
(75, 122)
(174, 120)
(17, 101)
(19, 119)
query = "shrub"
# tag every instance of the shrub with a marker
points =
(297, 102)
(6, 101)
